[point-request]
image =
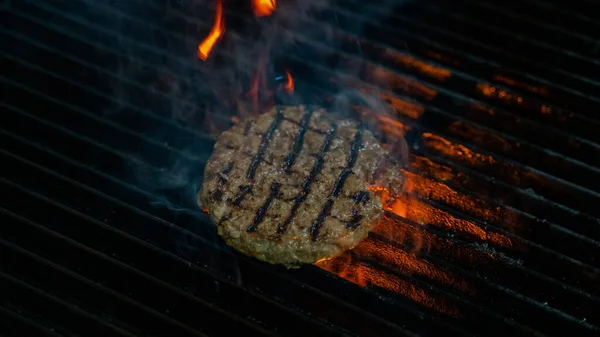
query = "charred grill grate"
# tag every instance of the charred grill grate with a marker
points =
(498, 103)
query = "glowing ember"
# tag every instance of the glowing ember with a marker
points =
(358, 271)
(263, 7)
(456, 150)
(422, 67)
(289, 85)
(215, 34)
(522, 85)
(390, 127)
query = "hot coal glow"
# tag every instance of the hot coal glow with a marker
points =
(401, 245)
(401, 240)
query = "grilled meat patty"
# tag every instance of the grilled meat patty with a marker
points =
(292, 186)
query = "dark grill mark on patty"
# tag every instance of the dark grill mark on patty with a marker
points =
(355, 220)
(244, 190)
(247, 189)
(218, 192)
(247, 127)
(356, 147)
(318, 223)
(298, 142)
(322, 207)
(264, 144)
(260, 213)
(299, 199)
(361, 197)
(339, 185)
(319, 162)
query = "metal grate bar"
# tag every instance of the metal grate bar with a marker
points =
(193, 22)
(149, 150)
(30, 124)
(568, 170)
(60, 281)
(51, 307)
(83, 154)
(183, 305)
(532, 255)
(194, 241)
(15, 323)
(488, 30)
(423, 32)
(429, 46)
(561, 10)
(577, 40)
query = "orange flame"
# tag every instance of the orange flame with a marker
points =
(448, 148)
(353, 268)
(396, 243)
(263, 7)
(215, 34)
(289, 85)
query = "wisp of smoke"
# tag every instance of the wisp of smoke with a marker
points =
(164, 63)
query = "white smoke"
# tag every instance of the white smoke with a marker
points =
(203, 94)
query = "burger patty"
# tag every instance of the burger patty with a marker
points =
(292, 186)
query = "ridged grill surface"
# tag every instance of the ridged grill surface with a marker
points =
(501, 235)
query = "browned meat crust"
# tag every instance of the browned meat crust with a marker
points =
(292, 186)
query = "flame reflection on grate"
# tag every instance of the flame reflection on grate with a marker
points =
(420, 227)
(393, 80)
(438, 73)
(363, 272)
(512, 82)
(396, 245)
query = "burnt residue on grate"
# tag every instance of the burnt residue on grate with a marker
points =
(498, 236)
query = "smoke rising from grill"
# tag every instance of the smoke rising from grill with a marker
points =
(238, 78)
(77, 232)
